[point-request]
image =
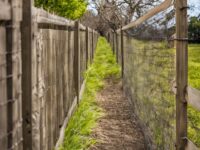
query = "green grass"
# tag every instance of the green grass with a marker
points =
(150, 73)
(194, 81)
(163, 104)
(77, 133)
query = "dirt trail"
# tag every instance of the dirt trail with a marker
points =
(118, 129)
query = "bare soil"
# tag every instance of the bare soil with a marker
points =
(118, 129)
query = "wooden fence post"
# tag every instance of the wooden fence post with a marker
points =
(92, 45)
(117, 47)
(87, 46)
(27, 35)
(181, 73)
(122, 52)
(113, 42)
(77, 59)
(109, 37)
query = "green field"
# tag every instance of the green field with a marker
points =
(194, 81)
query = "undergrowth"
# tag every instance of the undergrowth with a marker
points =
(77, 133)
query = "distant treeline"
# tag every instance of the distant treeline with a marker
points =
(194, 29)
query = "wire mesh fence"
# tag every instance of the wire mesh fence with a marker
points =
(149, 72)
(154, 59)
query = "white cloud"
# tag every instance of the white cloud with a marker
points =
(196, 9)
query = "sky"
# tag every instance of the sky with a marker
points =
(196, 4)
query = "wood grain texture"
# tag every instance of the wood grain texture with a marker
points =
(181, 73)
(37, 73)
(77, 59)
(190, 145)
(5, 10)
(194, 97)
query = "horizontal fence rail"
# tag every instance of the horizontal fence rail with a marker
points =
(194, 97)
(163, 6)
(43, 58)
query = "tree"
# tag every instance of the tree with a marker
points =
(72, 9)
(115, 13)
(194, 28)
(90, 19)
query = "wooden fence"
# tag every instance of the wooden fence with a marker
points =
(10, 75)
(42, 61)
(184, 94)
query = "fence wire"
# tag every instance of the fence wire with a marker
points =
(149, 73)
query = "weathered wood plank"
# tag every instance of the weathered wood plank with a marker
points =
(3, 90)
(117, 47)
(190, 145)
(194, 97)
(87, 46)
(77, 59)
(43, 16)
(181, 73)
(27, 74)
(122, 52)
(5, 10)
(69, 114)
(92, 45)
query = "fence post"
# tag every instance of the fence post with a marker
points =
(92, 45)
(27, 34)
(87, 46)
(109, 37)
(117, 47)
(181, 73)
(77, 59)
(122, 52)
(113, 42)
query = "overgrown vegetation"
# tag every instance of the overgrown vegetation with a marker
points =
(194, 81)
(151, 81)
(194, 25)
(71, 9)
(149, 72)
(77, 134)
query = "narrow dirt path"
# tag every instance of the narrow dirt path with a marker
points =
(118, 129)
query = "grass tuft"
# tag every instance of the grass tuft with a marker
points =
(77, 133)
